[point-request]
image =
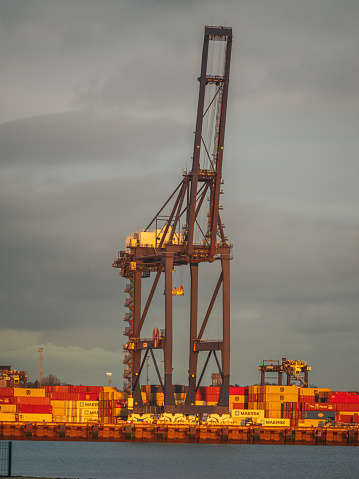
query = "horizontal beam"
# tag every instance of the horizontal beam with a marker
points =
(208, 346)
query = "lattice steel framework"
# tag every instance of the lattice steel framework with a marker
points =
(179, 237)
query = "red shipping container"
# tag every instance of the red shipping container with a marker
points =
(40, 401)
(8, 400)
(343, 418)
(307, 399)
(61, 389)
(237, 391)
(351, 398)
(347, 407)
(33, 409)
(6, 392)
(238, 405)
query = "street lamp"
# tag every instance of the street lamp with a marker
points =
(40, 365)
(109, 378)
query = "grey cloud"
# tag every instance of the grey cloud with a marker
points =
(78, 137)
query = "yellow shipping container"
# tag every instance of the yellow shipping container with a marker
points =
(28, 417)
(280, 390)
(58, 411)
(201, 403)
(348, 413)
(237, 398)
(313, 391)
(254, 389)
(7, 416)
(272, 406)
(252, 405)
(57, 404)
(7, 408)
(273, 414)
(310, 422)
(121, 395)
(40, 393)
(280, 397)
(275, 422)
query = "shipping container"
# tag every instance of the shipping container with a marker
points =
(311, 422)
(247, 413)
(33, 409)
(273, 406)
(320, 415)
(7, 408)
(271, 397)
(7, 416)
(280, 390)
(344, 398)
(34, 400)
(8, 400)
(275, 422)
(6, 392)
(238, 391)
(273, 414)
(29, 392)
(236, 405)
(35, 417)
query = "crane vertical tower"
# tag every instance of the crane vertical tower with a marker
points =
(180, 235)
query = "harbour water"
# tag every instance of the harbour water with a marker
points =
(178, 461)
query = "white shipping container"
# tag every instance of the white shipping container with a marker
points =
(275, 422)
(87, 404)
(247, 413)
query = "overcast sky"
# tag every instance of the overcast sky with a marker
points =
(97, 112)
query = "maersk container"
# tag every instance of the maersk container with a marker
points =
(275, 422)
(87, 404)
(246, 413)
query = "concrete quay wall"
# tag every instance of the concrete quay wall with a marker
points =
(173, 433)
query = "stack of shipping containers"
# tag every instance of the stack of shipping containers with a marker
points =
(271, 405)
(111, 406)
(32, 405)
(7, 404)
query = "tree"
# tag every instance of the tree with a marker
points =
(50, 380)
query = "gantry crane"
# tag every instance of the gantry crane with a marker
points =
(295, 370)
(176, 237)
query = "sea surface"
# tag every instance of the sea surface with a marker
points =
(178, 461)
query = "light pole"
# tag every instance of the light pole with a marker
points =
(109, 378)
(40, 365)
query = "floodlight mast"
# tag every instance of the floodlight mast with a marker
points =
(172, 244)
